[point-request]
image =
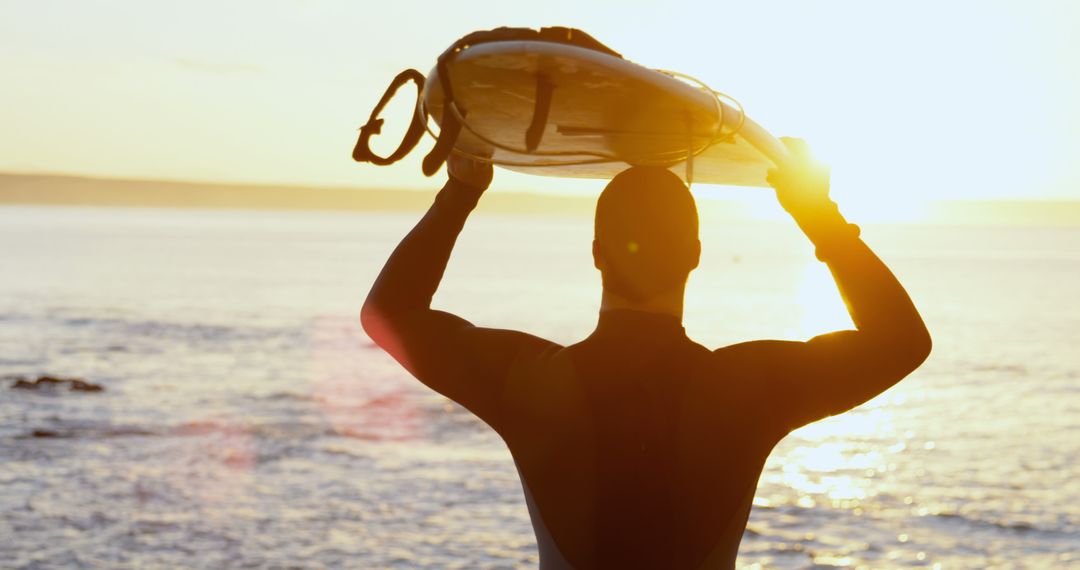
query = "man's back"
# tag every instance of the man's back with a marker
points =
(637, 447)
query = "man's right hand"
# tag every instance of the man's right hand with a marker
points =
(802, 187)
(801, 182)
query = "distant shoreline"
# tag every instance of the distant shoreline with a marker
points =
(63, 190)
(59, 190)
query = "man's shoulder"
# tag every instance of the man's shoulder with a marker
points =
(524, 349)
(510, 339)
(756, 362)
(757, 349)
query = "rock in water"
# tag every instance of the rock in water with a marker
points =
(51, 382)
(84, 386)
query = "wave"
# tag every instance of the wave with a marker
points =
(287, 397)
(171, 330)
(1020, 527)
(21, 362)
(999, 367)
(265, 431)
(87, 433)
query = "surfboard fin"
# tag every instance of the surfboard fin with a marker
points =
(444, 145)
(542, 106)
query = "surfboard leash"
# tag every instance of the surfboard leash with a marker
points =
(362, 151)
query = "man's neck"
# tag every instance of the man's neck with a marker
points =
(670, 303)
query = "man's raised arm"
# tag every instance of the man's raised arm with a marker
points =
(835, 372)
(412, 274)
(449, 354)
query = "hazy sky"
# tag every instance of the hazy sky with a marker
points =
(915, 99)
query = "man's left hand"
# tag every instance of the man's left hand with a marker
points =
(469, 171)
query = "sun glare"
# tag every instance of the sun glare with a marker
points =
(822, 308)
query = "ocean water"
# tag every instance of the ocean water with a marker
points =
(247, 422)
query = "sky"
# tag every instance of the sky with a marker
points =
(908, 101)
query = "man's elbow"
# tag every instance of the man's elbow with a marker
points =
(917, 347)
(901, 351)
(926, 346)
(373, 321)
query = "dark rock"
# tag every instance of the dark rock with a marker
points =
(49, 382)
(84, 386)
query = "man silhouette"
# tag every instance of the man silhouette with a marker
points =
(637, 447)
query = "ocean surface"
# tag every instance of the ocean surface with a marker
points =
(248, 422)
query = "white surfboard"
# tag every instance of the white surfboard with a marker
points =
(605, 114)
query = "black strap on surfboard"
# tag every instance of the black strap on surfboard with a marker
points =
(541, 107)
(362, 151)
(451, 126)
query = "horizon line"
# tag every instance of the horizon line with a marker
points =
(410, 189)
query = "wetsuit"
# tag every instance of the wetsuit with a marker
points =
(637, 447)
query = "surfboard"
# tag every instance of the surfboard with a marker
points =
(600, 114)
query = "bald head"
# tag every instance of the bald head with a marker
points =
(646, 233)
